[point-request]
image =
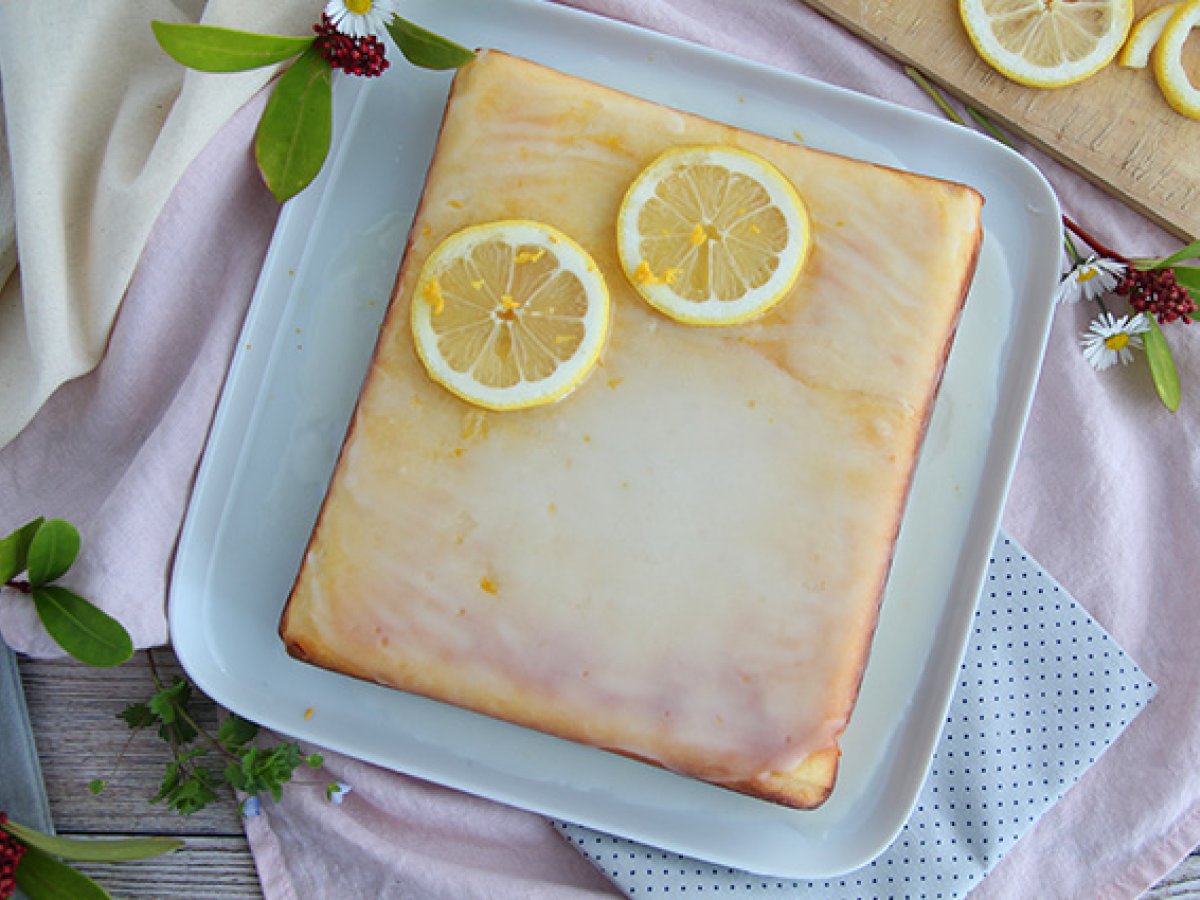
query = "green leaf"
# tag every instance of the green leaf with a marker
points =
(87, 633)
(116, 850)
(97, 785)
(426, 49)
(296, 128)
(14, 550)
(137, 715)
(236, 731)
(1162, 366)
(169, 707)
(1189, 277)
(1191, 251)
(52, 550)
(187, 788)
(42, 876)
(212, 49)
(165, 703)
(264, 769)
(314, 760)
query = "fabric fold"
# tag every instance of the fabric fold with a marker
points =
(98, 133)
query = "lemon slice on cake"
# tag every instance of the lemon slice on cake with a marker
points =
(1047, 43)
(712, 235)
(1169, 71)
(510, 314)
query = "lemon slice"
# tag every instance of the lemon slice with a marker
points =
(712, 235)
(1145, 34)
(1172, 77)
(510, 314)
(1047, 43)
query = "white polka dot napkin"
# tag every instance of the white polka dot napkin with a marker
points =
(1042, 691)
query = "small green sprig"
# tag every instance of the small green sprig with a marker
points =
(295, 132)
(43, 551)
(193, 779)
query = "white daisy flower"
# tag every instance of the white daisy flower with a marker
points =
(1092, 278)
(360, 18)
(1110, 340)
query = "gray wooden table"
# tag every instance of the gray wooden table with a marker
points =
(73, 710)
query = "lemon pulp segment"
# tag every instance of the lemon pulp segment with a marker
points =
(1047, 43)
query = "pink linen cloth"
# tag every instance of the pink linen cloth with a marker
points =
(1104, 497)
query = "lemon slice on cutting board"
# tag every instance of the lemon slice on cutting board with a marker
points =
(1169, 71)
(712, 235)
(1047, 43)
(1144, 35)
(509, 315)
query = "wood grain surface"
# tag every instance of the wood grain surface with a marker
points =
(1114, 128)
(73, 710)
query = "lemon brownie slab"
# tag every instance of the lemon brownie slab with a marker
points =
(681, 559)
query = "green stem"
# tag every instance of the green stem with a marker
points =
(1072, 250)
(934, 94)
(986, 123)
(154, 669)
(116, 766)
(182, 712)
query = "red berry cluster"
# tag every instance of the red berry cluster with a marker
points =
(1155, 291)
(355, 56)
(11, 851)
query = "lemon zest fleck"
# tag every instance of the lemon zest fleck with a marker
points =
(488, 585)
(431, 293)
(643, 274)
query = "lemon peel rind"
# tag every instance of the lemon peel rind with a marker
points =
(714, 312)
(1144, 36)
(1010, 64)
(527, 395)
(1167, 57)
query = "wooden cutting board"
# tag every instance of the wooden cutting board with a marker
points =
(1114, 128)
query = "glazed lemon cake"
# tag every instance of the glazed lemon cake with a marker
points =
(632, 453)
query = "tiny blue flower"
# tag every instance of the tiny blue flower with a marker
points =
(251, 807)
(335, 791)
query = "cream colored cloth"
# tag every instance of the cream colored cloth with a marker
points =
(99, 129)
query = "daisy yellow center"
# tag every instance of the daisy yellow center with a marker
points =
(359, 7)
(1118, 341)
(1087, 275)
